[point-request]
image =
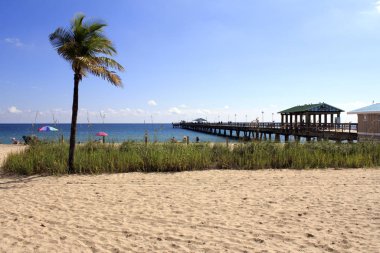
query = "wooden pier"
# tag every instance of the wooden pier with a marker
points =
(273, 131)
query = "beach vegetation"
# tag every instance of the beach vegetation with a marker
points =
(88, 51)
(96, 158)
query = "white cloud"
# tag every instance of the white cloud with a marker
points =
(60, 110)
(125, 110)
(226, 107)
(14, 41)
(152, 103)
(133, 115)
(204, 111)
(112, 111)
(174, 110)
(377, 6)
(139, 111)
(13, 109)
(183, 106)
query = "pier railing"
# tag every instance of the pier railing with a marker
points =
(284, 127)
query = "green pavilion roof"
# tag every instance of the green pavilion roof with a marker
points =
(321, 107)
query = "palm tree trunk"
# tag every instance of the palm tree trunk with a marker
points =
(74, 123)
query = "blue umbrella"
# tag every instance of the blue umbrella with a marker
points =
(47, 129)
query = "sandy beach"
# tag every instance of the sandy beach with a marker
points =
(203, 211)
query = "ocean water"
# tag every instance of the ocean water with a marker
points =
(116, 132)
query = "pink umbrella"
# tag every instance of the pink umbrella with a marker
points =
(103, 134)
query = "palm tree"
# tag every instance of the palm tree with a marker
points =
(86, 48)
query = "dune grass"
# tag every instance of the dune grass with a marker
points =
(95, 158)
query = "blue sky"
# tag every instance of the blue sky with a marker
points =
(194, 58)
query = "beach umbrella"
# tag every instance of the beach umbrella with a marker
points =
(103, 134)
(47, 129)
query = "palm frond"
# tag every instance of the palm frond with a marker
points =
(84, 46)
(109, 63)
(60, 37)
(77, 21)
(104, 73)
(101, 45)
(95, 27)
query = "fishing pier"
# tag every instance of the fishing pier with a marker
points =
(273, 131)
(315, 121)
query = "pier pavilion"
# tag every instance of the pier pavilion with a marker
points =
(311, 114)
(200, 120)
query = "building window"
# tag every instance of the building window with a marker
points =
(364, 117)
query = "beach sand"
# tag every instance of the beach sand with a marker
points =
(203, 211)
(5, 149)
